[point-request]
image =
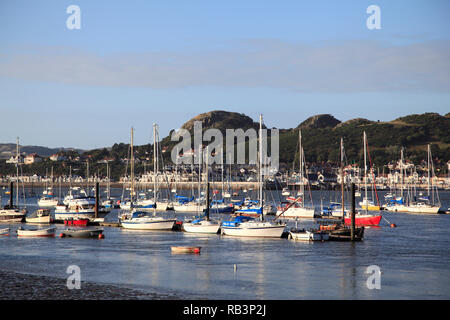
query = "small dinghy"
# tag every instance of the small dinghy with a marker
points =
(47, 232)
(305, 235)
(4, 232)
(186, 249)
(82, 233)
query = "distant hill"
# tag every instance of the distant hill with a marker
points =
(9, 149)
(319, 121)
(321, 136)
(222, 120)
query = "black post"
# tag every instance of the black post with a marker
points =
(96, 199)
(11, 191)
(352, 228)
(207, 201)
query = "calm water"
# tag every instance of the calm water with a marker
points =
(414, 259)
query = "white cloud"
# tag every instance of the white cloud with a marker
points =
(349, 66)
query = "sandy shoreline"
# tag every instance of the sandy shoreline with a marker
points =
(18, 286)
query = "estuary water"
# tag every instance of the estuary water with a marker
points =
(414, 260)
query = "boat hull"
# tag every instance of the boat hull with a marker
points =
(293, 213)
(45, 219)
(364, 220)
(202, 227)
(49, 232)
(10, 215)
(309, 236)
(148, 224)
(259, 230)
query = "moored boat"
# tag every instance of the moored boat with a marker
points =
(175, 249)
(47, 232)
(39, 216)
(82, 233)
(4, 232)
(308, 235)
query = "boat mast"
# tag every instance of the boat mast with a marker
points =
(366, 200)
(207, 183)
(132, 169)
(302, 187)
(17, 173)
(260, 166)
(342, 177)
(200, 162)
(154, 167)
(428, 163)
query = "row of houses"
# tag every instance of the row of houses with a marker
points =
(34, 158)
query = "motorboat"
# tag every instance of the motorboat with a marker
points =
(39, 216)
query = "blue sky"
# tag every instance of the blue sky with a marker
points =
(133, 63)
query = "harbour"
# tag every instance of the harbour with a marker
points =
(414, 264)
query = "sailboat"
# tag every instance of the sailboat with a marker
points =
(366, 203)
(254, 227)
(11, 212)
(298, 209)
(48, 199)
(360, 219)
(190, 204)
(141, 220)
(204, 224)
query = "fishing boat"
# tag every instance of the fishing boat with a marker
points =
(4, 232)
(39, 216)
(81, 233)
(195, 250)
(260, 227)
(48, 199)
(47, 232)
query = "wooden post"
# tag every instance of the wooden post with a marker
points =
(96, 199)
(11, 191)
(352, 227)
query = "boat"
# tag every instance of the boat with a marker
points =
(195, 250)
(4, 232)
(366, 203)
(82, 233)
(253, 227)
(48, 201)
(364, 220)
(423, 204)
(77, 208)
(76, 222)
(47, 232)
(343, 233)
(203, 224)
(39, 216)
(140, 220)
(308, 235)
(295, 207)
(10, 212)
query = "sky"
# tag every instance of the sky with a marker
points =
(135, 63)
